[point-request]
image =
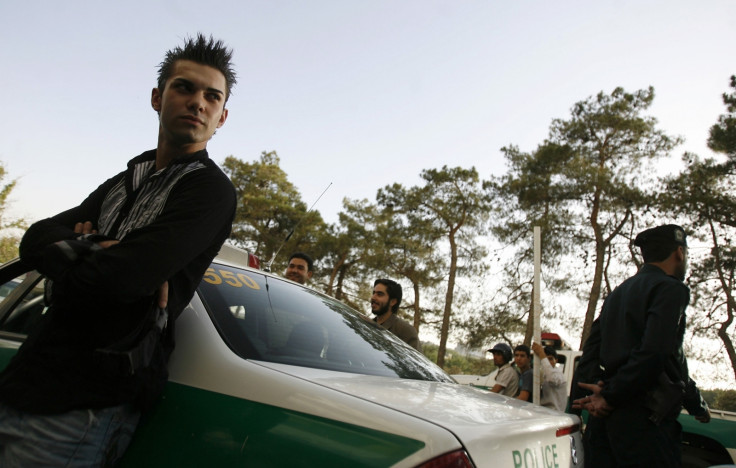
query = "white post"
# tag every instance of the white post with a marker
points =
(536, 307)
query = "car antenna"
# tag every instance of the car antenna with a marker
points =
(268, 266)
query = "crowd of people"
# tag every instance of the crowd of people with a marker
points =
(515, 377)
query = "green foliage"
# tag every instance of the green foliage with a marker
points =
(457, 363)
(722, 137)
(451, 206)
(269, 211)
(704, 198)
(347, 245)
(9, 228)
(582, 186)
(726, 400)
(408, 246)
(721, 399)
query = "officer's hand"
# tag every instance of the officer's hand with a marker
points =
(595, 404)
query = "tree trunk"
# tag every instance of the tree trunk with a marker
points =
(444, 331)
(730, 302)
(529, 335)
(333, 275)
(417, 310)
(595, 288)
(340, 279)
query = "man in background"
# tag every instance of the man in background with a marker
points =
(554, 385)
(507, 379)
(385, 302)
(300, 268)
(523, 361)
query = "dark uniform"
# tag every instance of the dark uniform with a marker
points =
(635, 348)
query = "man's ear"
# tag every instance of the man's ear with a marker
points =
(680, 253)
(392, 303)
(156, 99)
(222, 120)
(309, 274)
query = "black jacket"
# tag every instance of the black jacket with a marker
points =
(170, 225)
(637, 337)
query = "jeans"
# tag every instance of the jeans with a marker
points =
(79, 438)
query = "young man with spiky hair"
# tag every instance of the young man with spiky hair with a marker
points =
(122, 266)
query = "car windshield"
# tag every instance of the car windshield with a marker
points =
(265, 318)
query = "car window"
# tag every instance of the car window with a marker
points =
(22, 303)
(561, 362)
(270, 319)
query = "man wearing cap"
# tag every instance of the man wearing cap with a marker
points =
(633, 362)
(507, 379)
(554, 384)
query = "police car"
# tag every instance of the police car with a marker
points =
(269, 373)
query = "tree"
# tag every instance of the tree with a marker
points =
(450, 202)
(703, 193)
(346, 246)
(526, 196)
(407, 249)
(269, 209)
(10, 237)
(722, 137)
(584, 184)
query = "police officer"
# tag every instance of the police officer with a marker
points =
(634, 365)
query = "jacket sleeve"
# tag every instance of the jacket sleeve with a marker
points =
(198, 211)
(693, 401)
(588, 370)
(35, 248)
(659, 342)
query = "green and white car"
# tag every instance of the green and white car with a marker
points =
(268, 373)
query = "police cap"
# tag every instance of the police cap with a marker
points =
(666, 234)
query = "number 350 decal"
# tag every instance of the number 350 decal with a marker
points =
(237, 280)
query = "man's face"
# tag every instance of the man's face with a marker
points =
(552, 360)
(498, 359)
(191, 106)
(521, 359)
(380, 302)
(298, 270)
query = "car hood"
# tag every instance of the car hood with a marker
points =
(481, 420)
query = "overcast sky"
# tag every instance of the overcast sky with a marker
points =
(356, 93)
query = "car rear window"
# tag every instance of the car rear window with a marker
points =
(266, 318)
